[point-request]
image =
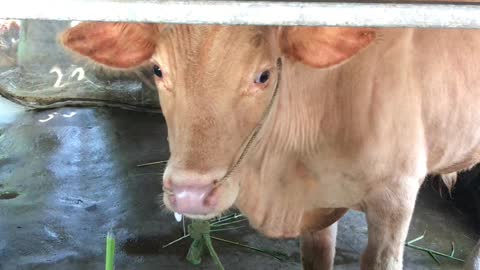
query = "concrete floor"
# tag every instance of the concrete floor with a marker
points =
(76, 178)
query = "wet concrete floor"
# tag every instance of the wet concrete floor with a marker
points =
(68, 176)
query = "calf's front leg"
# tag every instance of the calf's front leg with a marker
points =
(318, 248)
(389, 210)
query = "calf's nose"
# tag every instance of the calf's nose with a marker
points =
(193, 200)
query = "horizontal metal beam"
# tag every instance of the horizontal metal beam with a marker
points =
(423, 15)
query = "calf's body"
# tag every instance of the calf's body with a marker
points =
(360, 117)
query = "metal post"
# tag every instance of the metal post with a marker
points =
(424, 15)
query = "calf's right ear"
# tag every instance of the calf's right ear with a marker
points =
(117, 45)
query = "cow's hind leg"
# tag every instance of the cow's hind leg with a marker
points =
(389, 210)
(318, 248)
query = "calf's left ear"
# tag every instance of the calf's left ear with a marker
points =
(323, 47)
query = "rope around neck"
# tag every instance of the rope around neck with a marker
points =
(253, 135)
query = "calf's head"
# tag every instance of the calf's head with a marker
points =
(215, 83)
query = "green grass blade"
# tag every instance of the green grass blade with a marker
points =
(213, 254)
(176, 240)
(226, 218)
(416, 239)
(227, 229)
(433, 257)
(434, 252)
(228, 223)
(110, 252)
(275, 254)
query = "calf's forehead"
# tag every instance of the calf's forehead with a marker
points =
(214, 46)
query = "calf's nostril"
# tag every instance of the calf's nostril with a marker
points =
(210, 201)
(211, 198)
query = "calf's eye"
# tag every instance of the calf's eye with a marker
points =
(157, 71)
(263, 77)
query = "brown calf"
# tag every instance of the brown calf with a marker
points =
(359, 117)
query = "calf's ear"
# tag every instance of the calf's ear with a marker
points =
(323, 47)
(117, 45)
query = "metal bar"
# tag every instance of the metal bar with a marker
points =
(423, 15)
